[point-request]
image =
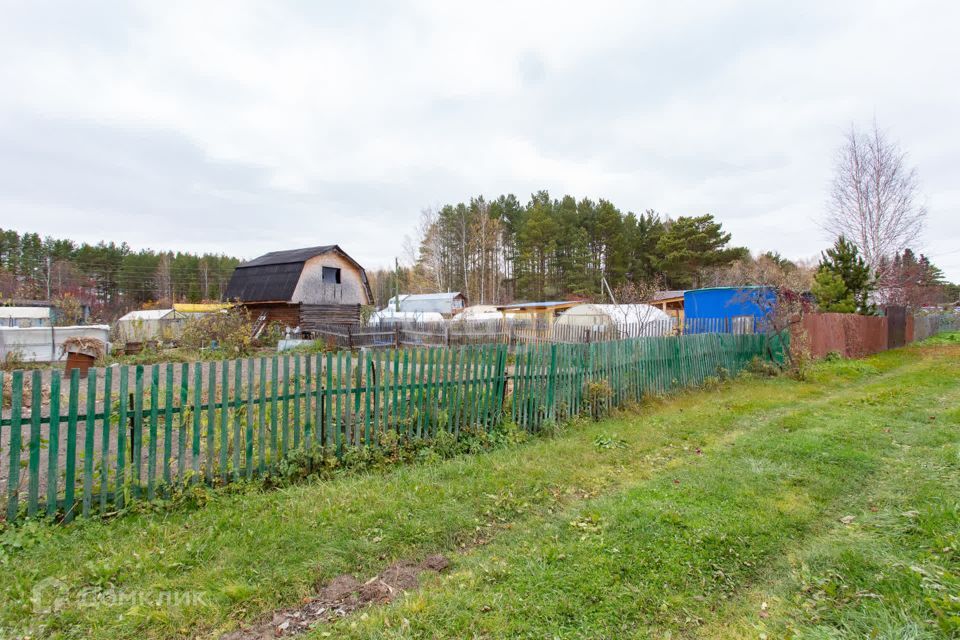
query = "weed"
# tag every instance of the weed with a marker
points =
(604, 442)
(14, 359)
(597, 397)
(763, 367)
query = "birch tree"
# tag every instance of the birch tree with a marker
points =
(875, 201)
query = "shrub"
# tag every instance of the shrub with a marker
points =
(232, 331)
(69, 310)
(762, 367)
(711, 383)
(597, 395)
(271, 335)
(13, 360)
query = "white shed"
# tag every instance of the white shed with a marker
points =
(630, 319)
(150, 324)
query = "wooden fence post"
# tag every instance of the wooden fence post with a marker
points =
(552, 383)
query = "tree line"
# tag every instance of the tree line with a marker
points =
(109, 277)
(502, 250)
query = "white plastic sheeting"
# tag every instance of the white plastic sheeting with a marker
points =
(477, 313)
(150, 324)
(604, 316)
(389, 315)
(25, 316)
(443, 303)
(42, 344)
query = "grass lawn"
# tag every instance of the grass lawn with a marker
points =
(823, 508)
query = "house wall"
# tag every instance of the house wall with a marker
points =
(314, 317)
(309, 317)
(282, 313)
(311, 289)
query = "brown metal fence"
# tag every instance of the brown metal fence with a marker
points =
(853, 335)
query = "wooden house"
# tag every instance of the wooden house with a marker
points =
(307, 288)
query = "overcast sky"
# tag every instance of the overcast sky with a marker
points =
(243, 127)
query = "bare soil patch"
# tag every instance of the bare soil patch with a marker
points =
(341, 596)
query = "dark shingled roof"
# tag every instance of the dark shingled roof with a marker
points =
(267, 283)
(273, 276)
(291, 255)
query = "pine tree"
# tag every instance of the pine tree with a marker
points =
(832, 293)
(692, 244)
(844, 261)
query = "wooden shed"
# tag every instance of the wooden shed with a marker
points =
(308, 288)
(670, 302)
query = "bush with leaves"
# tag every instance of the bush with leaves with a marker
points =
(597, 397)
(271, 335)
(231, 331)
(69, 310)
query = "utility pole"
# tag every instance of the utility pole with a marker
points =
(609, 291)
(396, 282)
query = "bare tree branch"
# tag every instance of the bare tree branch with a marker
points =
(875, 201)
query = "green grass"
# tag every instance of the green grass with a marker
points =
(714, 514)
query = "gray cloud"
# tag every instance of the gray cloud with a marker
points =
(250, 126)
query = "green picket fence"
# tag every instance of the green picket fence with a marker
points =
(554, 381)
(130, 433)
